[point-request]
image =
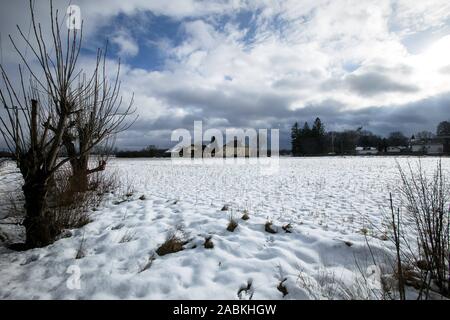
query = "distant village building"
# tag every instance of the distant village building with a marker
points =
(433, 146)
(398, 149)
(232, 149)
(366, 150)
(237, 148)
(393, 150)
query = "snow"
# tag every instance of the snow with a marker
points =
(330, 202)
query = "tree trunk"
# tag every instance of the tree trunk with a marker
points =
(79, 181)
(37, 225)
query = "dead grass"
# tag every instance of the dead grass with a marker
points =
(232, 225)
(148, 264)
(282, 288)
(128, 236)
(246, 291)
(208, 243)
(287, 228)
(245, 216)
(171, 245)
(268, 227)
(81, 251)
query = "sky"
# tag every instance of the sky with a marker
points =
(382, 65)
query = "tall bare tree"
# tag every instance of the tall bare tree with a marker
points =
(39, 114)
(99, 118)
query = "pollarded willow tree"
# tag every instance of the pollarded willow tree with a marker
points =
(59, 103)
(100, 116)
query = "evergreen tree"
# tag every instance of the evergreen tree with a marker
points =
(318, 133)
(306, 131)
(295, 135)
(318, 128)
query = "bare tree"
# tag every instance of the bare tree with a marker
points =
(424, 135)
(99, 118)
(39, 115)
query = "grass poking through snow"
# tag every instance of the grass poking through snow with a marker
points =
(269, 227)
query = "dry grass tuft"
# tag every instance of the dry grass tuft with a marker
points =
(81, 251)
(171, 245)
(128, 236)
(148, 264)
(287, 228)
(268, 227)
(282, 288)
(246, 291)
(208, 243)
(232, 225)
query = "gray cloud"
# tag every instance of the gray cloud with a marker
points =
(372, 83)
(409, 118)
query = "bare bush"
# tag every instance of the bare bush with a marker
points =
(69, 209)
(422, 261)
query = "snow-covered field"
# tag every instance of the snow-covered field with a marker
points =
(329, 202)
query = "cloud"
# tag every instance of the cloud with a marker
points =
(269, 63)
(370, 84)
(127, 45)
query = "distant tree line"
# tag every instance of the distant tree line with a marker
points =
(148, 152)
(315, 140)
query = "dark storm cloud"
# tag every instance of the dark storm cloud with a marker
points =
(372, 83)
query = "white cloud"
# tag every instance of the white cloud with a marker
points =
(127, 45)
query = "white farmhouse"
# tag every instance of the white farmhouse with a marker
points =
(366, 150)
